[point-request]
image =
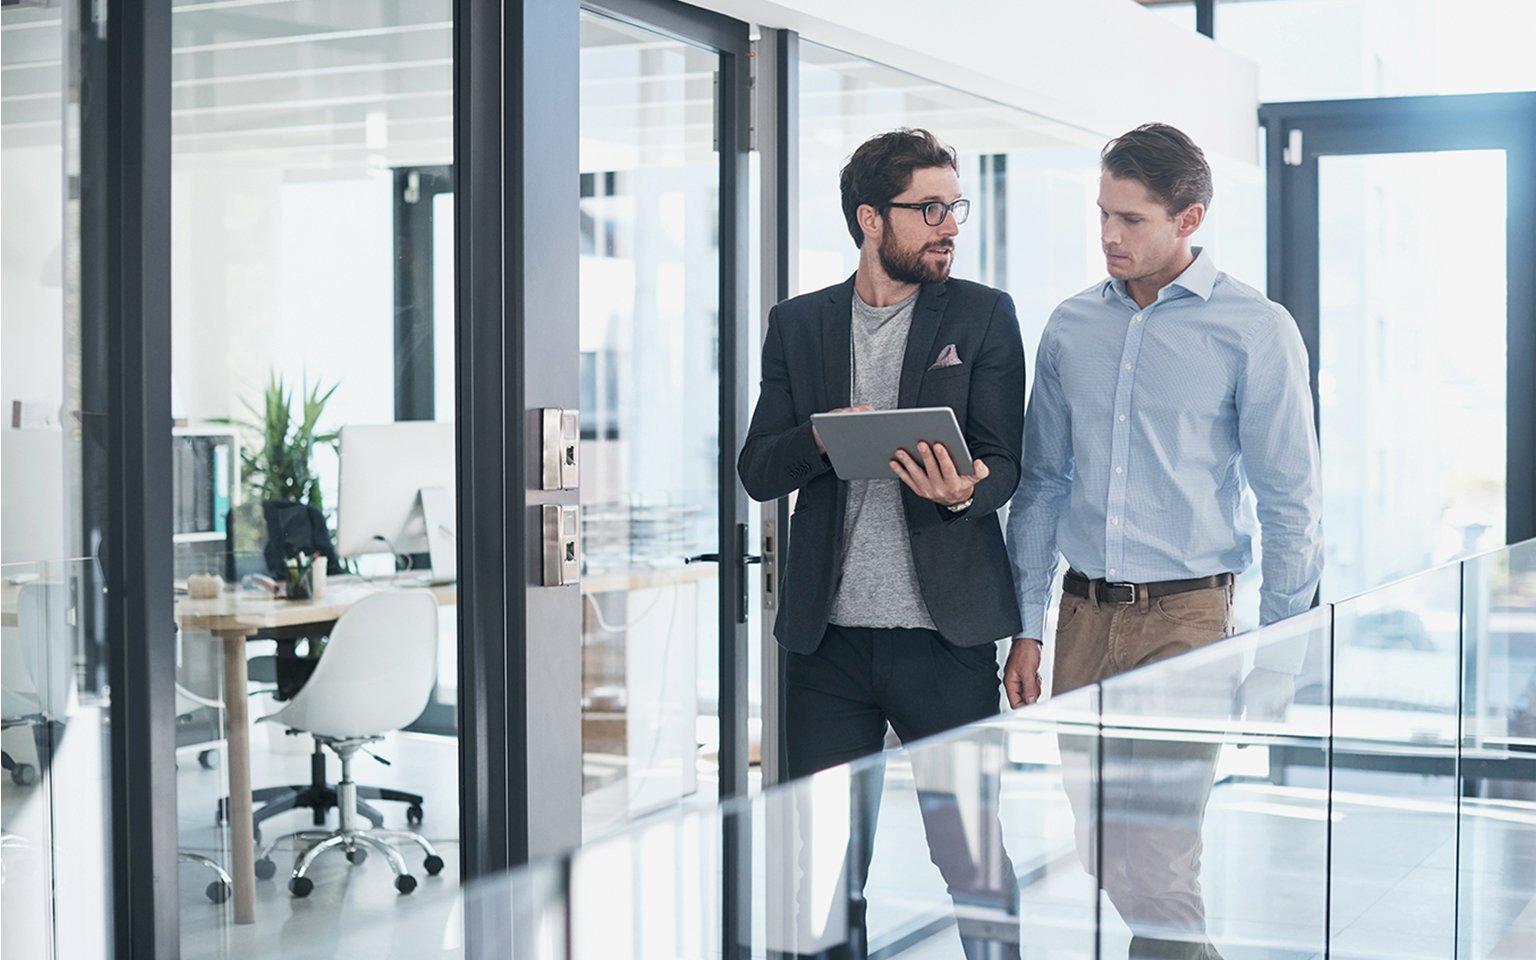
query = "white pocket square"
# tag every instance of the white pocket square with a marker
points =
(948, 357)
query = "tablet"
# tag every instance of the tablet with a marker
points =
(861, 443)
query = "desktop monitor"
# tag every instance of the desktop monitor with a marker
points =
(397, 492)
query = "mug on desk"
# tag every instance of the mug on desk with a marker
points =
(204, 586)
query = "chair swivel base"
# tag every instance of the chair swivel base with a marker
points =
(320, 800)
(355, 844)
(218, 889)
(320, 797)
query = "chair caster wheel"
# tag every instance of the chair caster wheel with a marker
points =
(414, 815)
(217, 891)
(405, 883)
(300, 886)
(357, 855)
(208, 759)
(434, 865)
(24, 775)
(265, 869)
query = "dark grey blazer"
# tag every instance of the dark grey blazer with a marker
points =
(962, 567)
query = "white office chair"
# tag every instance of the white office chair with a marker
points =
(375, 675)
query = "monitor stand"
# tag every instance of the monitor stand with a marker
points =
(435, 504)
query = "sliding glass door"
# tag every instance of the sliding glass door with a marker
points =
(1401, 234)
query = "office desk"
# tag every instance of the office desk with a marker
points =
(233, 618)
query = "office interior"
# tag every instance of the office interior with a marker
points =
(379, 368)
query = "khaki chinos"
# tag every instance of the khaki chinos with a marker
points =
(1151, 793)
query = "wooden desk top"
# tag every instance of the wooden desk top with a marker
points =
(250, 611)
(244, 610)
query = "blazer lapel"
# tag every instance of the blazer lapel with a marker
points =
(836, 331)
(926, 317)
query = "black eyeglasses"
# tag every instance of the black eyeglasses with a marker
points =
(934, 211)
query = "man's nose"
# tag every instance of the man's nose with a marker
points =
(1109, 235)
(948, 227)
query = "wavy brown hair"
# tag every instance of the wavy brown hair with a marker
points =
(1165, 161)
(882, 168)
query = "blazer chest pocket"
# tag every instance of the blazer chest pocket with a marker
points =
(943, 374)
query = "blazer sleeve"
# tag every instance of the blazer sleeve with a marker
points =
(780, 453)
(994, 427)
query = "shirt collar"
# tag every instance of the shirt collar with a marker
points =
(1199, 278)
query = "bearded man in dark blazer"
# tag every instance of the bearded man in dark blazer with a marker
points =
(897, 591)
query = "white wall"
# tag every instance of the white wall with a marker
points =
(276, 273)
(1102, 65)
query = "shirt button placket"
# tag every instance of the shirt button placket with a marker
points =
(1114, 536)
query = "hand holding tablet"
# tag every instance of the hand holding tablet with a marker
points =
(862, 443)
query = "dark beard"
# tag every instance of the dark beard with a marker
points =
(908, 266)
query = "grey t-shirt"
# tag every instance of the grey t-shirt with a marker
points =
(879, 582)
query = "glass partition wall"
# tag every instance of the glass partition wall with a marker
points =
(313, 464)
(56, 786)
(650, 335)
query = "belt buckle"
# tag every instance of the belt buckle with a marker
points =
(1128, 586)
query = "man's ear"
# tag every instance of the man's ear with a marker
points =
(870, 220)
(1190, 219)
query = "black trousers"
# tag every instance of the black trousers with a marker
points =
(839, 701)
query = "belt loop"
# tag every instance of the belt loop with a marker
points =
(1093, 595)
(1143, 601)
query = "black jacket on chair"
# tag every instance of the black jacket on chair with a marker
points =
(961, 564)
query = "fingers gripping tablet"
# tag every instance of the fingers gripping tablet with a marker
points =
(860, 444)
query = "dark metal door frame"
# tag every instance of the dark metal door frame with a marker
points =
(1504, 121)
(125, 127)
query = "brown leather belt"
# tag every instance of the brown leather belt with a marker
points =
(1080, 586)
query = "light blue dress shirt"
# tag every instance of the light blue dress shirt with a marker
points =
(1143, 428)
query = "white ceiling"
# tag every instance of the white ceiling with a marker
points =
(322, 85)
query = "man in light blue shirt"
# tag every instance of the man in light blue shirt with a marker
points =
(1159, 395)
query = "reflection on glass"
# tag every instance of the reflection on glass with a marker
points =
(311, 294)
(1411, 373)
(649, 419)
(1394, 762)
(1146, 844)
(1212, 833)
(55, 819)
(1497, 877)
(56, 783)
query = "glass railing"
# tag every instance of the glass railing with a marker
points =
(1359, 781)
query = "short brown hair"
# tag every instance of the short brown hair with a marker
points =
(1165, 161)
(882, 168)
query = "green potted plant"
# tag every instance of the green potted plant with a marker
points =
(277, 455)
(281, 467)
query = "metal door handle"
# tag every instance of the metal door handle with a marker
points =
(746, 558)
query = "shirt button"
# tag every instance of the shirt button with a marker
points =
(1127, 366)
(1115, 521)
(1112, 571)
(1137, 318)
(1122, 418)
(1119, 469)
